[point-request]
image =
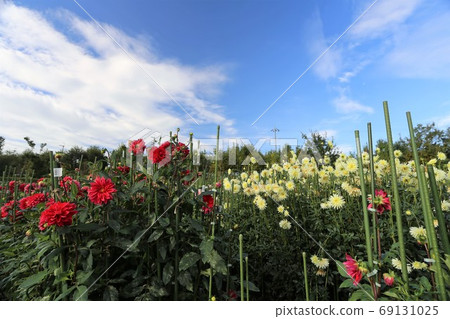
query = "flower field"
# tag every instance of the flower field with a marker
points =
(151, 225)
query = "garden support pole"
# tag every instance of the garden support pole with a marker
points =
(372, 185)
(398, 211)
(305, 274)
(241, 266)
(437, 206)
(426, 207)
(364, 201)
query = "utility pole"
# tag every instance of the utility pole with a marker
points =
(275, 130)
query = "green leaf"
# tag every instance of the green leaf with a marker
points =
(33, 280)
(217, 263)
(163, 251)
(158, 291)
(341, 268)
(65, 293)
(80, 294)
(206, 248)
(114, 224)
(164, 222)
(87, 227)
(155, 235)
(111, 294)
(53, 253)
(139, 236)
(425, 283)
(82, 276)
(89, 261)
(139, 186)
(251, 286)
(185, 280)
(392, 294)
(197, 225)
(188, 260)
(347, 283)
(357, 295)
(167, 273)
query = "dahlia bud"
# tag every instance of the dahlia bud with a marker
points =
(388, 279)
(28, 233)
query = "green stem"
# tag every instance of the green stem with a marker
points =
(437, 206)
(372, 183)
(364, 201)
(52, 174)
(177, 240)
(191, 153)
(213, 216)
(246, 278)
(305, 274)
(62, 263)
(397, 208)
(241, 265)
(426, 207)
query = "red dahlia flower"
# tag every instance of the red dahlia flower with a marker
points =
(32, 201)
(7, 210)
(101, 191)
(353, 269)
(30, 188)
(160, 155)
(67, 182)
(137, 146)
(11, 185)
(41, 182)
(381, 201)
(209, 201)
(232, 294)
(59, 214)
(182, 148)
(123, 169)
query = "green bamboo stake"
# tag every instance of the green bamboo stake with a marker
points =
(305, 274)
(364, 201)
(52, 173)
(241, 265)
(3, 183)
(372, 185)
(426, 207)
(9, 173)
(398, 211)
(437, 206)
(158, 264)
(213, 215)
(32, 176)
(246, 279)
(191, 153)
(217, 154)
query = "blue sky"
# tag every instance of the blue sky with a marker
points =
(64, 81)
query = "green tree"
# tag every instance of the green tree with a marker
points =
(429, 139)
(30, 142)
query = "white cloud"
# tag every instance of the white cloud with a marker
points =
(328, 133)
(344, 104)
(345, 148)
(330, 63)
(88, 92)
(423, 51)
(443, 122)
(386, 16)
